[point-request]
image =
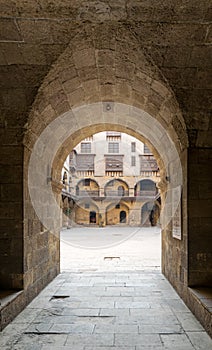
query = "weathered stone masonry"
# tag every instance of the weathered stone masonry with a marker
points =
(57, 56)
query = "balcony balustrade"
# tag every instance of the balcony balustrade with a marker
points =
(149, 194)
(116, 193)
(87, 193)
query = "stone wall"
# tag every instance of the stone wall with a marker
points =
(11, 216)
(199, 217)
(174, 251)
(132, 54)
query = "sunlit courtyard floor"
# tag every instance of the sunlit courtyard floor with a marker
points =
(130, 248)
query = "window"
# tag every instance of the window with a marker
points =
(87, 205)
(113, 147)
(85, 147)
(133, 145)
(133, 161)
(147, 150)
(90, 138)
(65, 177)
(86, 182)
(114, 162)
(113, 136)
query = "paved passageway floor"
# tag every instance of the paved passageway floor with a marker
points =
(112, 303)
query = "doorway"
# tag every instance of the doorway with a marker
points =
(123, 216)
(92, 217)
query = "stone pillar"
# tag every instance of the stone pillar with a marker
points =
(199, 217)
(11, 217)
(131, 192)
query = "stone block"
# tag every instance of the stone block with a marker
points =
(105, 58)
(67, 74)
(59, 102)
(107, 75)
(200, 340)
(104, 39)
(198, 120)
(93, 340)
(62, 30)
(33, 56)
(204, 139)
(11, 136)
(11, 192)
(129, 339)
(201, 55)
(108, 91)
(9, 30)
(13, 210)
(84, 58)
(84, 328)
(36, 30)
(116, 329)
(155, 99)
(160, 89)
(139, 99)
(91, 87)
(175, 340)
(72, 84)
(3, 61)
(125, 70)
(141, 86)
(76, 97)
(12, 53)
(11, 174)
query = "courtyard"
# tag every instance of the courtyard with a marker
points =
(106, 248)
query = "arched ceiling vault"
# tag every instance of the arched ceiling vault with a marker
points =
(172, 36)
(85, 73)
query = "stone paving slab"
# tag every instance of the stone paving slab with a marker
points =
(189, 322)
(148, 320)
(115, 329)
(200, 340)
(110, 348)
(129, 339)
(80, 312)
(91, 340)
(174, 341)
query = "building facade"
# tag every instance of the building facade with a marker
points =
(112, 179)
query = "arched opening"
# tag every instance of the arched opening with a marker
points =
(69, 109)
(117, 213)
(145, 187)
(92, 217)
(85, 212)
(116, 187)
(122, 217)
(129, 94)
(87, 187)
(146, 212)
(121, 191)
(150, 213)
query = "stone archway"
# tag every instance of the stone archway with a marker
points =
(119, 119)
(104, 62)
(91, 89)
